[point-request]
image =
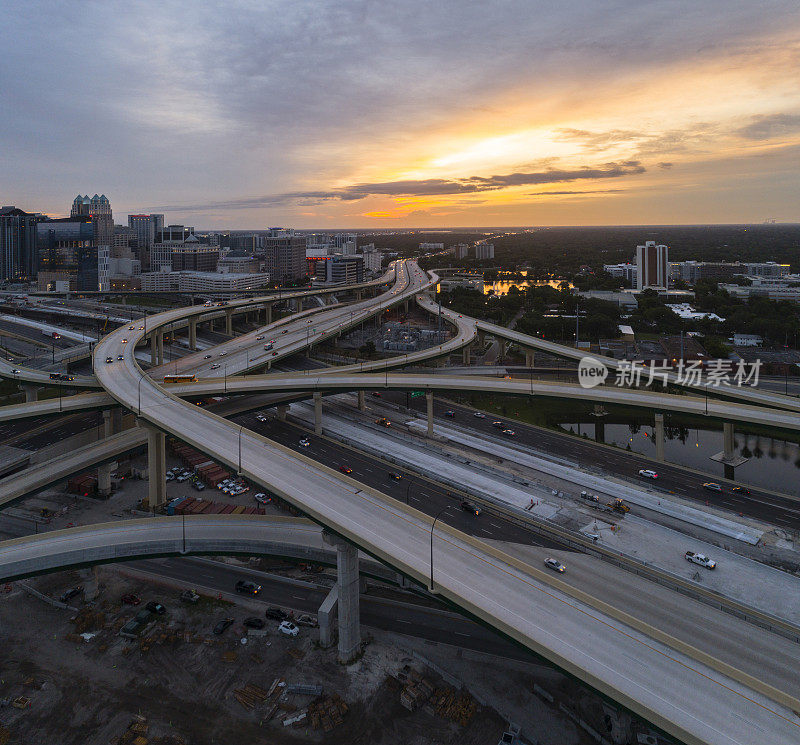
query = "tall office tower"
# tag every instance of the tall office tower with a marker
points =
(147, 227)
(652, 266)
(18, 254)
(99, 209)
(285, 255)
(68, 254)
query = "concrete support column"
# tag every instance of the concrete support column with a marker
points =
(530, 358)
(192, 334)
(465, 353)
(104, 472)
(362, 404)
(359, 296)
(160, 347)
(658, 434)
(90, 582)
(31, 393)
(481, 338)
(317, 413)
(229, 322)
(267, 313)
(153, 349)
(282, 411)
(326, 617)
(728, 443)
(407, 306)
(156, 467)
(347, 587)
(429, 400)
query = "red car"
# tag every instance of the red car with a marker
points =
(345, 469)
(130, 599)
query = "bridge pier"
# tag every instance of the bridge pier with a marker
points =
(283, 409)
(104, 472)
(658, 435)
(530, 358)
(153, 349)
(345, 601)
(362, 404)
(31, 393)
(229, 322)
(193, 334)
(160, 347)
(267, 314)
(728, 456)
(156, 467)
(429, 401)
(359, 296)
(317, 413)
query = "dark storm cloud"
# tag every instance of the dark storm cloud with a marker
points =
(423, 187)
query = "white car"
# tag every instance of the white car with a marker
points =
(554, 564)
(479, 415)
(215, 366)
(648, 474)
(700, 559)
(305, 442)
(509, 432)
(261, 418)
(288, 628)
(222, 354)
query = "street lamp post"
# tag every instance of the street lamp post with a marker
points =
(433, 527)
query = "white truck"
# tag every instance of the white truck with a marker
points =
(700, 559)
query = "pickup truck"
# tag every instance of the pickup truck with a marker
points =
(700, 559)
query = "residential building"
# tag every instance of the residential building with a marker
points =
(285, 255)
(67, 253)
(785, 288)
(373, 261)
(99, 210)
(431, 247)
(652, 266)
(484, 250)
(340, 270)
(461, 250)
(18, 247)
(625, 271)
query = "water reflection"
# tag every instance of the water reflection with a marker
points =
(501, 287)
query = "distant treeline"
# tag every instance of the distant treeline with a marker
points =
(563, 251)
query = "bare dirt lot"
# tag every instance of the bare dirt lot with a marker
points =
(188, 685)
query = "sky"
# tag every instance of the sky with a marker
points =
(374, 114)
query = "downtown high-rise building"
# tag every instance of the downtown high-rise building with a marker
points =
(285, 255)
(652, 266)
(98, 208)
(68, 254)
(18, 248)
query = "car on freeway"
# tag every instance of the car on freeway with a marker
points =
(305, 442)
(740, 490)
(712, 486)
(648, 474)
(450, 413)
(120, 357)
(130, 599)
(554, 564)
(268, 346)
(383, 421)
(247, 587)
(469, 507)
(285, 331)
(222, 354)
(700, 559)
(207, 357)
(109, 360)
(260, 338)
(346, 469)
(222, 626)
(261, 417)
(141, 328)
(124, 341)
(131, 328)
(275, 613)
(215, 366)
(275, 354)
(15, 371)
(262, 498)
(509, 432)
(377, 394)
(156, 608)
(254, 623)
(479, 415)
(288, 628)
(498, 425)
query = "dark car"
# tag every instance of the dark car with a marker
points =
(345, 469)
(395, 476)
(276, 614)
(450, 413)
(109, 359)
(222, 626)
(469, 507)
(499, 425)
(247, 587)
(131, 599)
(71, 593)
(120, 357)
(207, 357)
(156, 608)
(740, 490)
(254, 623)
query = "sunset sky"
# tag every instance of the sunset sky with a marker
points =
(354, 113)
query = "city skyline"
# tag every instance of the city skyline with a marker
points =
(418, 116)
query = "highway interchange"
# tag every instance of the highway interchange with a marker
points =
(488, 585)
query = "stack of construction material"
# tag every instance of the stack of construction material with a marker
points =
(457, 706)
(416, 692)
(327, 713)
(250, 695)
